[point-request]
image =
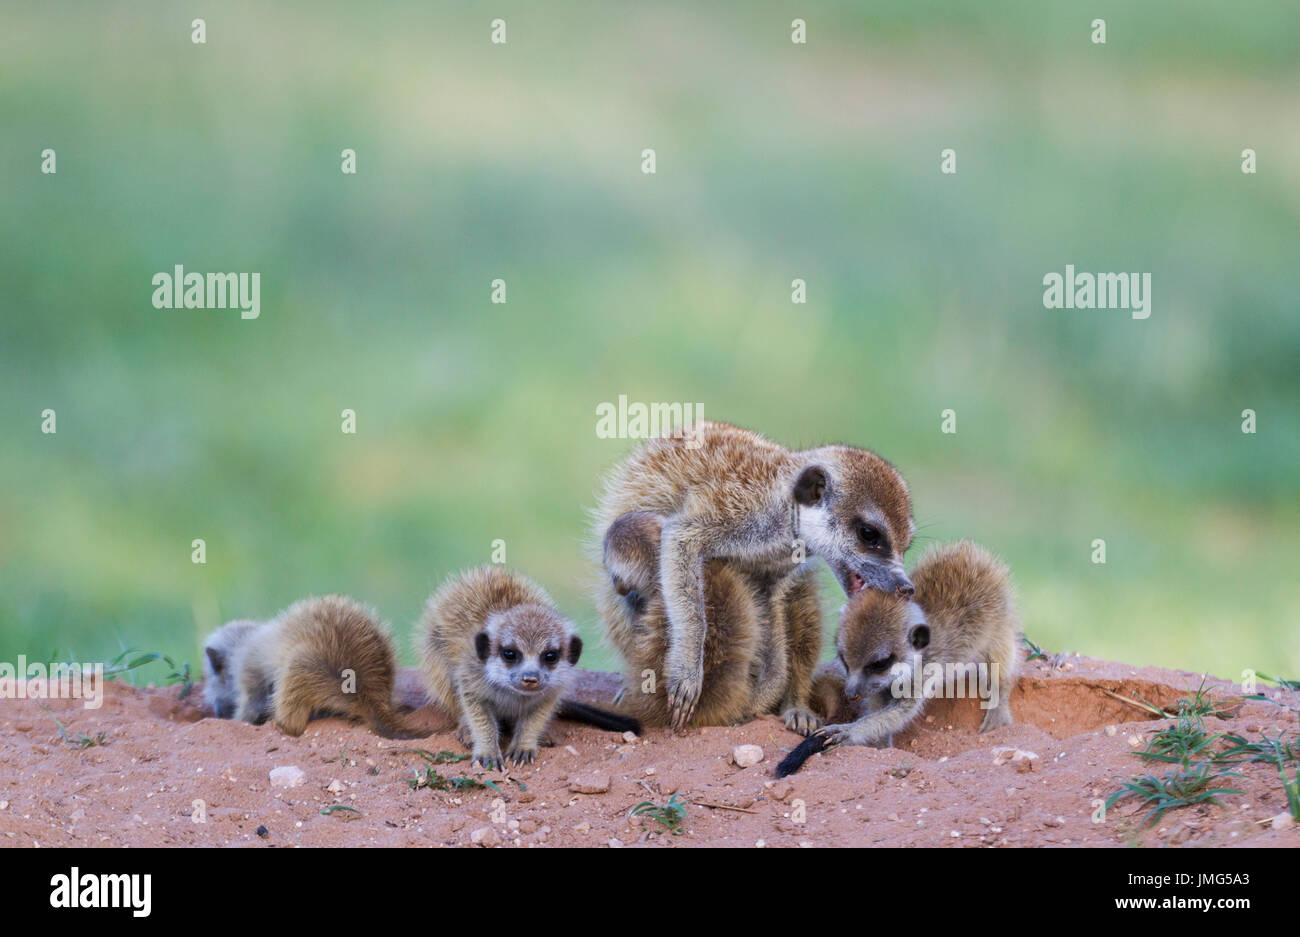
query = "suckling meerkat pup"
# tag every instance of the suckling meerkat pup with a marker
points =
(750, 659)
(497, 656)
(961, 630)
(328, 655)
(730, 494)
(638, 628)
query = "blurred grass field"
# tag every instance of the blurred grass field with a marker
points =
(775, 161)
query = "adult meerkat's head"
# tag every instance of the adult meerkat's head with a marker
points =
(528, 649)
(878, 639)
(855, 512)
(220, 679)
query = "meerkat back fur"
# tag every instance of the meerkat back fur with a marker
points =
(728, 493)
(497, 655)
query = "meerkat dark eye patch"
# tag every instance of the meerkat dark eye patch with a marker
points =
(510, 655)
(810, 487)
(920, 636)
(482, 645)
(550, 657)
(216, 659)
(880, 664)
(575, 649)
(871, 537)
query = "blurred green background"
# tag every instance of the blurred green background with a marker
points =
(775, 161)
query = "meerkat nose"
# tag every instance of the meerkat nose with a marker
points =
(906, 589)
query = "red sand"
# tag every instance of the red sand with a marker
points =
(166, 764)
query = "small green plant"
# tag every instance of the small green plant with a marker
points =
(1182, 787)
(343, 811)
(671, 815)
(1035, 652)
(1291, 787)
(180, 673)
(1182, 742)
(1200, 704)
(76, 739)
(1187, 745)
(1269, 749)
(429, 777)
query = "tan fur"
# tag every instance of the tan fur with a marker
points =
(726, 497)
(514, 613)
(293, 668)
(964, 598)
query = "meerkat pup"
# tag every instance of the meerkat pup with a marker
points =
(728, 493)
(638, 628)
(961, 631)
(320, 656)
(497, 655)
(220, 669)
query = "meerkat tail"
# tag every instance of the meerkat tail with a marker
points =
(385, 722)
(574, 711)
(801, 753)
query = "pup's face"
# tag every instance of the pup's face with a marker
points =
(877, 638)
(220, 680)
(528, 649)
(855, 513)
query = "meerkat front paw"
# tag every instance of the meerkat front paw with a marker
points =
(995, 718)
(801, 720)
(490, 760)
(521, 756)
(683, 697)
(836, 734)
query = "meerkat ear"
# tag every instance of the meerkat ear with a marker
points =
(482, 645)
(216, 659)
(575, 649)
(920, 636)
(810, 487)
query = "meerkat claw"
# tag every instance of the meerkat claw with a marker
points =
(800, 720)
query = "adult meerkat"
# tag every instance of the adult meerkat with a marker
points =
(320, 656)
(497, 656)
(728, 493)
(963, 616)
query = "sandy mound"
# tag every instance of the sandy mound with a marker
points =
(163, 767)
